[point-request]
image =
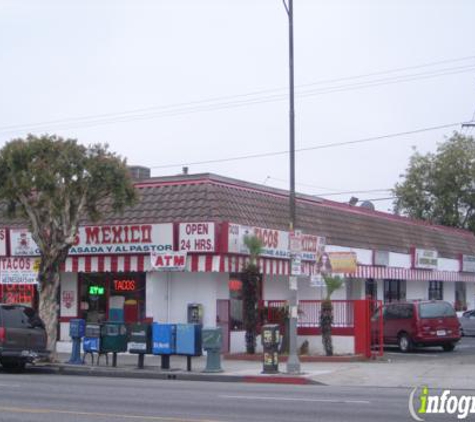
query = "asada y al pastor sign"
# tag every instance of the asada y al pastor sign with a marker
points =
(104, 240)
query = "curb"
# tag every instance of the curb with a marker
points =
(171, 375)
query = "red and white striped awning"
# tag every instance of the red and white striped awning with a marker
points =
(234, 264)
(194, 263)
(368, 271)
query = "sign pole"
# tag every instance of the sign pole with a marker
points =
(293, 363)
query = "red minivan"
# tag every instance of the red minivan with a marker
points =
(419, 324)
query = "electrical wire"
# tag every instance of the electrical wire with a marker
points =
(317, 147)
(222, 103)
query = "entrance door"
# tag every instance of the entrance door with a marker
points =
(222, 320)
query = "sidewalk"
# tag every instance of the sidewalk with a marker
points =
(373, 373)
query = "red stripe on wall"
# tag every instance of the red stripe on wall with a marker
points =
(194, 263)
(140, 263)
(127, 263)
(209, 263)
(114, 263)
(75, 265)
(87, 266)
(100, 264)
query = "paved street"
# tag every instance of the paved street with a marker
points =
(464, 352)
(48, 398)
(351, 391)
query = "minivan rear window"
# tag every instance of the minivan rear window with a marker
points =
(436, 310)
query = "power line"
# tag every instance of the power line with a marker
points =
(324, 146)
(221, 103)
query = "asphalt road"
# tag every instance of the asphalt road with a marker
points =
(52, 398)
(464, 352)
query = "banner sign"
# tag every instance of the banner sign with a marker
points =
(168, 261)
(295, 241)
(424, 258)
(339, 262)
(275, 242)
(19, 270)
(312, 247)
(468, 263)
(3, 242)
(196, 237)
(104, 240)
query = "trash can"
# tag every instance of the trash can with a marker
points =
(270, 337)
(212, 341)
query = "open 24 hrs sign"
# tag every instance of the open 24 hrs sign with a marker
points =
(197, 237)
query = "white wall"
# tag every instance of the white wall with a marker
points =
(168, 295)
(68, 286)
(444, 264)
(399, 260)
(470, 295)
(449, 292)
(342, 345)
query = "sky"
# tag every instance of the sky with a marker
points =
(204, 84)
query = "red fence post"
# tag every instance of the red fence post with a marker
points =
(362, 328)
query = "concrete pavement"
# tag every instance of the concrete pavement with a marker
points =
(438, 370)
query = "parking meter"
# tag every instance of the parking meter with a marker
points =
(270, 337)
(77, 330)
(212, 340)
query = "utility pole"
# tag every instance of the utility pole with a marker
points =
(293, 363)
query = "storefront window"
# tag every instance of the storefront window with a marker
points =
(371, 289)
(112, 297)
(394, 290)
(23, 294)
(460, 296)
(436, 290)
(236, 307)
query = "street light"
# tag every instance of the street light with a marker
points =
(293, 363)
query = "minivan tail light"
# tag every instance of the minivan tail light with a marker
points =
(2, 335)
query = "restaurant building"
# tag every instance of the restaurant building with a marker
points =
(180, 251)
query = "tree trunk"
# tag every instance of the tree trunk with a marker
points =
(326, 320)
(251, 316)
(48, 308)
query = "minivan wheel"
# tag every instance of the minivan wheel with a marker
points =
(448, 347)
(405, 343)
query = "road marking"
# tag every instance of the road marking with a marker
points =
(96, 414)
(296, 399)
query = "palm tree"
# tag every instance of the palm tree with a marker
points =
(250, 285)
(326, 315)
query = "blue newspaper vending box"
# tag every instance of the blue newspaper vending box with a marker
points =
(77, 328)
(188, 339)
(163, 339)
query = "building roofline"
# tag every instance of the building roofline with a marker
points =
(214, 179)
